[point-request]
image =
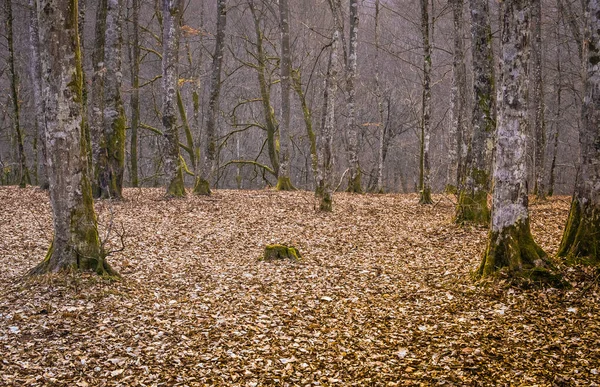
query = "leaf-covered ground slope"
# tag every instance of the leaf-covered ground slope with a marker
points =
(382, 297)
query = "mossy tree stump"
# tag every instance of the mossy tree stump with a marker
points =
(275, 252)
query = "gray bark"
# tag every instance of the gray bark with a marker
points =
(381, 125)
(76, 245)
(425, 183)
(135, 92)
(537, 100)
(172, 160)
(354, 184)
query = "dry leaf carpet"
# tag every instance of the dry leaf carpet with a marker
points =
(382, 297)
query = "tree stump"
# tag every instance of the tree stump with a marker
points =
(276, 252)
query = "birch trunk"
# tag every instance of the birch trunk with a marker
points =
(96, 122)
(24, 177)
(537, 100)
(202, 186)
(472, 201)
(425, 183)
(458, 102)
(581, 239)
(354, 184)
(325, 171)
(111, 162)
(135, 92)
(76, 245)
(510, 246)
(35, 69)
(172, 165)
(283, 180)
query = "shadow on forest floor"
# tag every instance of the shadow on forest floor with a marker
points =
(382, 296)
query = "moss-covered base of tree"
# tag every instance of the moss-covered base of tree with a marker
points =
(354, 183)
(202, 187)
(326, 203)
(176, 187)
(425, 196)
(284, 184)
(581, 239)
(96, 264)
(451, 189)
(278, 251)
(472, 208)
(512, 253)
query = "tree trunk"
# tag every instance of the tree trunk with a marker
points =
(458, 102)
(581, 239)
(24, 177)
(354, 184)
(557, 122)
(424, 176)
(510, 244)
(381, 126)
(283, 180)
(308, 123)
(172, 165)
(76, 245)
(135, 93)
(202, 186)
(96, 121)
(325, 172)
(537, 101)
(111, 162)
(472, 201)
(35, 68)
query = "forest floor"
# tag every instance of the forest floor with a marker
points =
(382, 297)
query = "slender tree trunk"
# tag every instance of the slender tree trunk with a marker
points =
(581, 239)
(308, 123)
(537, 101)
(111, 163)
(557, 121)
(381, 132)
(135, 93)
(35, 68)
(202, 186)
(425, 172)
(284, 182)
(24, 177)
(510, 244)
(325, 172)
(76, 245)
(472, 201)
(458, 102)
(96, 121)
(354, 184)
(172, 159)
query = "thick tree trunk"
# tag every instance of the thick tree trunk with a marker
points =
(325, 172)
(425, 172)
(472, 200)
(458, 102)
(537, 101)
(510, 244)
(35, 69)
(354, 184)
(172, 160)
(24, 177)
(284, 182)
(135, 92)
(202, 186)
(111, 162)
(581, 239)
(76, 245)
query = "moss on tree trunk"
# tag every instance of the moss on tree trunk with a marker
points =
(472, 200)
(581, 241)
(202, 187)
(285, 184)
(277, 252)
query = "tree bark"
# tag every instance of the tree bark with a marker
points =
(472, 201)
(381, 126)
(284, 182)
(354, 184)
(173, 167)
(581, 239)
(425, 172)
(325, 172)
(458, 102)
(510, 246)
(111, 162)
(24, 177)
(76, 245)
(135, 93)
(537, 101)
(35, 69)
